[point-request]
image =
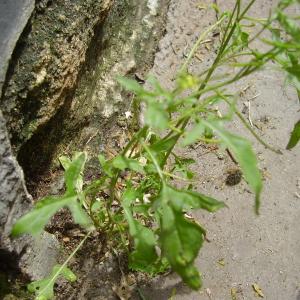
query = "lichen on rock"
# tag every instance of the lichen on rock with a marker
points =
(61, 88)
(47, 62)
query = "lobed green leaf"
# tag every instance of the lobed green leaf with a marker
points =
(144, 255)
(44, 288)
(121, 162)
(106, 165)
(181, 241)
(35, 221)
(193, 135)
(73, 173)
(295, 136)
(164, 145)
(156, 115)
(187, 199)
(243, 153)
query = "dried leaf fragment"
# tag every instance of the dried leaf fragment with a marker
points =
(233, 293)
(258, 290)
(208, 293)
(221, 262)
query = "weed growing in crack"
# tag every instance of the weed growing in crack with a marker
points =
(143, 209)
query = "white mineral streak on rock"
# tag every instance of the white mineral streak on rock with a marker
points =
(153, 6)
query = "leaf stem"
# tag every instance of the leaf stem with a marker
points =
(53, 279)
(198, 43)
(154, 160)
(258, 138)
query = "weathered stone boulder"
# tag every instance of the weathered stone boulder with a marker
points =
(58, 93)
(14, 199)
(43, 65)
(61, 90)
(24, 255)
(14, 16)
(46, 63)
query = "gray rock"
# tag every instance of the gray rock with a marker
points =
(61, 89)
(34, 258)
(14, 16)
(46, 64)
(14, 199)
(41, 256)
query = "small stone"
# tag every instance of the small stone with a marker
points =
(220, 156)
(62, 17)
(131, 279)
(234, 177)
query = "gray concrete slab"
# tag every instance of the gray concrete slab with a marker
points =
(245, 249)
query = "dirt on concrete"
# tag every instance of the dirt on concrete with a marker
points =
(246, 251)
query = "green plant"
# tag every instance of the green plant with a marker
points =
(144, 210)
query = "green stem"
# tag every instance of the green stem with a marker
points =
(176, 177)
(226, 40)
(154, 160)
(224, 43)
(258, 138)
(53, 279)
(114, 180)
(197, 44)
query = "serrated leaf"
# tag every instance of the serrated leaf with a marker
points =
(144, 255)
(183, 169)
(78, 213)
(130, 85)
(243, 153)
(181, 241)
(121, 162)
(193, 135)
(295, 136)
(35, 221)
(106, 166)
(186, 199)
(44, 288)
(73, 173)
(156, 115)
(181, 165)
(184, 161)
(164, 145)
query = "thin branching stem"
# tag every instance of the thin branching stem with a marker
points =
(54, 278)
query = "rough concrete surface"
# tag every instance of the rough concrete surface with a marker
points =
(244, 249)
